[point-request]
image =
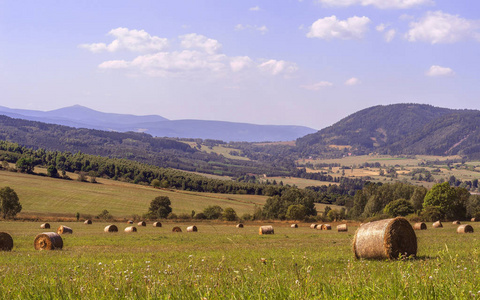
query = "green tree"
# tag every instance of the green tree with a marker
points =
(213, 212)
(400, 207)
(155, 183)
(10, 204)
(105, 215)
(417, 198)
(25, 165)
(229, 214)
(160, 207)
(451, 201)
(52, 171)
(432, 214)
(296, 212)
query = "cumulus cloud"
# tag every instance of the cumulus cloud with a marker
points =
(255, 8)
(389, 35)
(330, 27)
(436, 71)
(131, 40)
(317, 86)
(199, 41)
(276, 67)
(240, 63)
(262, 29)
(352, 81)
(438, 27)
(383, 4)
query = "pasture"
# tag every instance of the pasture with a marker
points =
(223, 262)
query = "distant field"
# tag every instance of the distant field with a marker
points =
(382, 159)
(225, 151)
(299, 182)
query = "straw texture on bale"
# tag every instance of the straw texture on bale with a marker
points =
(342, 228)
(110, 228)
(326, 227)
(6, 241)
(48, 241)
(157, 224)
(240, 225)
(192, 228)
(87, 222)
(456, 223)
(420, 226)
(390, 238)
(142, 223)
(45, 226)
(465, 229)
(437, 224)
(176, 229)
(313, 226)
(474, 219)
(266, 230)
(294, 226)
(64, 229)
(131, 229)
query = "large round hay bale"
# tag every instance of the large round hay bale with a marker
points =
(240, 225)
(342, 228)
(6, 241)
(437, 224)
(474, 220)
(313, 226)
(142, 223)
(64, 229)
(129, 222)
(326, 227)
(45, 226)
(294, 226)
(131, 229)
(157, 224)
(266, 230)
(192, 228)
(456, 223)
(48, 241)
(390, 238)
(88, 222)
(176, 229)
(420, 226)
(110, 228)
(465, 229)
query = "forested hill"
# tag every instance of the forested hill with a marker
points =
(402, 129)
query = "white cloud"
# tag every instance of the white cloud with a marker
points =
(240, 63)
(276, 67)
(438, 27)
(330, 27)
(131, 40)
(390, 35)
(255, 8)
(381, 27)
(193, 40)
(436, 71)
(262, 29)
(317, 86)
(352, 81)
(383, 4)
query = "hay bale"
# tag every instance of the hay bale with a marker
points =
(88, 222)
(294, 226)
(319, 227)
(456, 223)
(64, 229)
(342, 228)
(388, 238)
(266, 230)
(465, 229)
(326, 227)
(474, 220)
(6, 241)
(192, 228)
(157, 224)
(313, 226)
(176, 229)
(420, 226)
(129, 222)
(437, 224)
(48, 241)
(111, 228)
(240, 225)
(45, 226)
(131, 229)
(142, 223)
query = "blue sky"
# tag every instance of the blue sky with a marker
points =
(291, 62)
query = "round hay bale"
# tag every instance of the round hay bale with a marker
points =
(157, 224)
(465, 229)
(6, 241)
(129, 222)
(240, 225)
(420, 226)
(474, 220)
(313, 226)
(142, 223)
(45, 226)
(390, 238)
(48, 241)
(176, 229)
(64, 229)
(319, 227)
(192, 228)
(266, 230)
(456, 223)
(342, 228)
(326, 227)
(111, 228)
(294, 226)
(88, 222)
(131, 229)
(437, 224)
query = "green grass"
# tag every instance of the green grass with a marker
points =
(223, 262)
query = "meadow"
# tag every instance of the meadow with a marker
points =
(221, 261)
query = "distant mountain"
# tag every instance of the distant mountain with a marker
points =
(402, 129)
(83, 117)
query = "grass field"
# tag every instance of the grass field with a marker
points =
(223, 262)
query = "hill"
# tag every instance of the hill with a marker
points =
(82, 117)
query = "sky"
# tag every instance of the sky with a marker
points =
(277, 62)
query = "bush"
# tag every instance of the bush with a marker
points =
(184, 216)
(400, 207)
(213, 212)
(200, 216)
(247, 217)
(432, 214)
(172, 216)
(229, 214)
(160, 207)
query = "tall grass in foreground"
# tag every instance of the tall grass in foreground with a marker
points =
(224, 262)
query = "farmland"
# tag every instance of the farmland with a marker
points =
(221, 261)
